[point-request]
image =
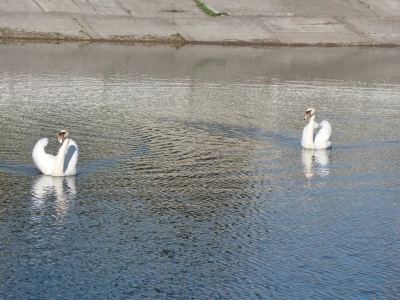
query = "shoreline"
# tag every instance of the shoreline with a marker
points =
(5, 40)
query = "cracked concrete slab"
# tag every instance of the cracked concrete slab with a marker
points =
(383, 8)
(162, 9)
(329, 8)
(298, 30)
(56, 25)
(311, 8)
(126, 28)
(19, 6)
(223, 29)
(91, 7)
(381, 31)
(250, 8)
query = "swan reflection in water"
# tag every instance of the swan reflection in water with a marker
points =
(315, 162)
(47, 188)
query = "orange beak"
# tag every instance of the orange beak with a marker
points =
(60, 137)
(307, 116)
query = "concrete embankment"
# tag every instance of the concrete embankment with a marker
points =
(242, 22)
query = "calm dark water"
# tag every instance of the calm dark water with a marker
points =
(192, 183)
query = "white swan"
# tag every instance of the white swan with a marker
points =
(321, 140)
(64, 163)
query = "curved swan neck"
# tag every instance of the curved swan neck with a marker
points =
(309, 142)
(312, 118)
(59, 167)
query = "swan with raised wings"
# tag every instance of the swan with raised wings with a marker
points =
(321, 140)
(64, 163)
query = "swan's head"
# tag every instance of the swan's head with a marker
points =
(64, 134)
(309, 112)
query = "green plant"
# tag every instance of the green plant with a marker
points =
(205, 9)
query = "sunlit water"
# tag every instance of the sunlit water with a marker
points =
(192, 183)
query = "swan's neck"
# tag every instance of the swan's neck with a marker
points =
(59, 167)
(310, 134)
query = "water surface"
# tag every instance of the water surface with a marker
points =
(192, 183)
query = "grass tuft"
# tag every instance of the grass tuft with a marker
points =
(205, 9)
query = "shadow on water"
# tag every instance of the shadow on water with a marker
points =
(368, 146)
(100, 165)
(14, 168)
(243, 132)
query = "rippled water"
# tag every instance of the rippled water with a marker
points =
(192, 183)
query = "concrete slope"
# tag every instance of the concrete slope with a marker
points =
(241, 22)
